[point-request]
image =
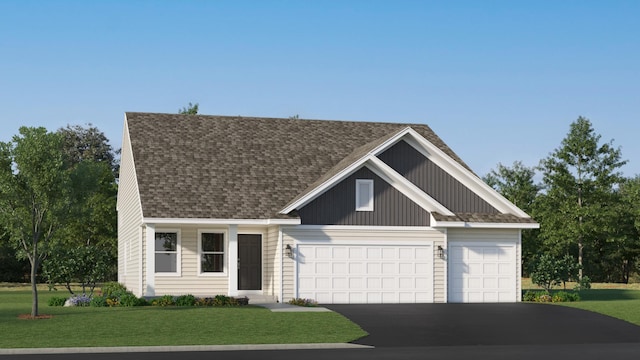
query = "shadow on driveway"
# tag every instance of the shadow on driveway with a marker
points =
(484, 324)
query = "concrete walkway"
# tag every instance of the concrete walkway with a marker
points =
(280, 307)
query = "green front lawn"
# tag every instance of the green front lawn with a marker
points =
(621, 301)
(151, 326)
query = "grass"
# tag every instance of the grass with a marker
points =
(150, 326)
(621, 301)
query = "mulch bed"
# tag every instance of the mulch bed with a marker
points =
(39, 317)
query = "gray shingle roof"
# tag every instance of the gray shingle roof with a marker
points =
(483, 218)
(227, 167)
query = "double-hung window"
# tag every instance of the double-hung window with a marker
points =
(211, 252)
(166, 248)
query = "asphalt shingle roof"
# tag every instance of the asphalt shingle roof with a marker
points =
(232, 167)
(483, 218)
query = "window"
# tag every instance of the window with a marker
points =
(166, 252)
(211, 252)
(364, 195)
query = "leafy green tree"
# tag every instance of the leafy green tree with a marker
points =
(517, 184)
(92, 165)
(34, 195)
(577, 203)
(87, 143)
(548, 271)
(192, 109)
(86, 265)
(622, 250)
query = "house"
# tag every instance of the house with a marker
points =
(336, 211)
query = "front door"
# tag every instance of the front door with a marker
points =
(249, 262)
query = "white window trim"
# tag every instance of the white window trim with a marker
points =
(369, 204)
(178, 271)
(225, 267)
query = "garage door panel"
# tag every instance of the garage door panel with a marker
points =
(482, 273)
(368, 274)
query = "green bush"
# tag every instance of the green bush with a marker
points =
(113, 290)
(543, 296)
(128, 300)
(186, 300)
(166, 300)
(57, 301)
(303, 302)
(98, 301)
(563, 296)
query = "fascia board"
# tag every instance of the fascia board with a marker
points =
(150, 220)
(463, 224)
(407, 188)
(344, 173)
(463, 175)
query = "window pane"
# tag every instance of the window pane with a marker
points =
(213, 242)
(212, 263)
(166, 241)
(166, 262)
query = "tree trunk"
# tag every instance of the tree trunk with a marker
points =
(34, 286)
(580, 247)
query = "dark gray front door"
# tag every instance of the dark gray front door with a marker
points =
(249, 262)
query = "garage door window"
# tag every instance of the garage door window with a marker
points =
(364, 195)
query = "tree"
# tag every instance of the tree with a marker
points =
(517, 184)
(34, 195)
(92, 165)
(579, 179)
(87, 143)
(623, 248)
(192, 109)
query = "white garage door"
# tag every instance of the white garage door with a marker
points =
(357, 274)
(482, 272)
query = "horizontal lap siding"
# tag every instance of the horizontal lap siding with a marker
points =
(129, 221)
(360, 236)
(189, 282)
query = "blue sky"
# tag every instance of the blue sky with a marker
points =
(499, 81)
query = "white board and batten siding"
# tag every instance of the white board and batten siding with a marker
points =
(483, 265)
(364, 265)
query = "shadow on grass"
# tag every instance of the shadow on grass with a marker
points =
(609, 294)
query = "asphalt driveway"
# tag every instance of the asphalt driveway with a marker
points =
(407, 325)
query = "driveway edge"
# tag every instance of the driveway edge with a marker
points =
(185, 348)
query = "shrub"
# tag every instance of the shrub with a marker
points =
(186, 300)
(303, 302)
(221, 300)
(533, 296)
(166, 300)
(57, 301)
(242, 301)
(98, 301)
(79, 300)
(207, 301)
(563, 296)
(113, 290)
(129, 299)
